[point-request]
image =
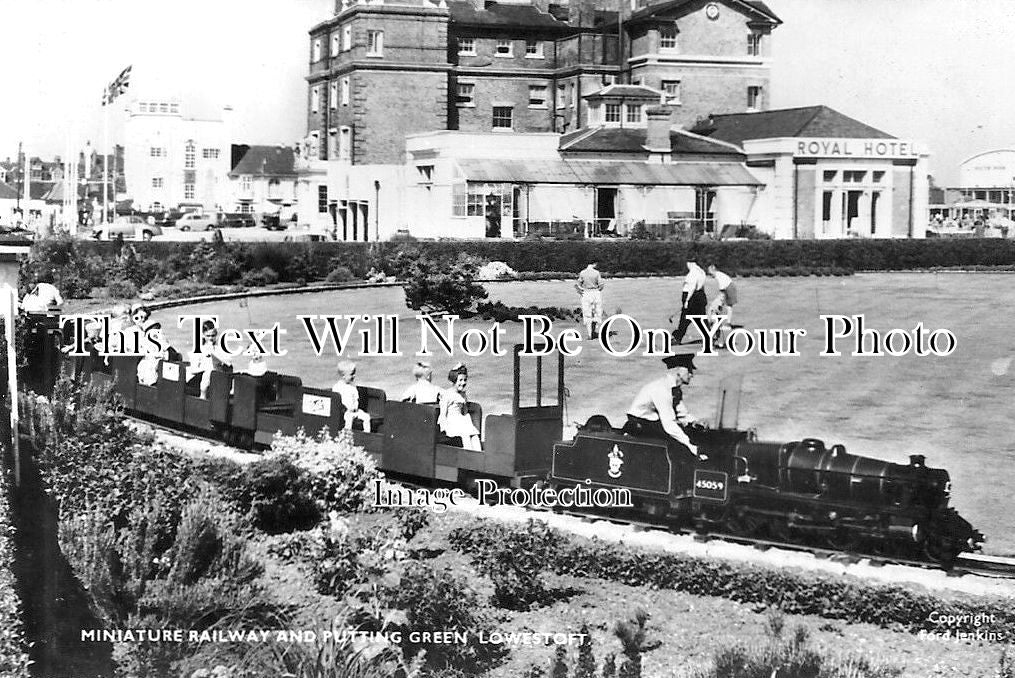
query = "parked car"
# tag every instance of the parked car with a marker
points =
(133, 226)
(198, 221)
(238, 220)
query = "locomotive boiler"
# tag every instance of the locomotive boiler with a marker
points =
(795, 492)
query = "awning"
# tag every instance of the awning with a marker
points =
(550, 171)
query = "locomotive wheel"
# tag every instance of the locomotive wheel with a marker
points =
(842, 540)
(939, 551)
(744, 525)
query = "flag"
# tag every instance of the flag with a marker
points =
(117, 87)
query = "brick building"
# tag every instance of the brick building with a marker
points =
(380, 70)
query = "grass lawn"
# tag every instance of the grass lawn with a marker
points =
(957, 410)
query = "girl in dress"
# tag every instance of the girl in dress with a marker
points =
(454, 420)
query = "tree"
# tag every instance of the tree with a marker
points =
(443, 286)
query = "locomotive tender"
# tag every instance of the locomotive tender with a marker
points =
(797, 492)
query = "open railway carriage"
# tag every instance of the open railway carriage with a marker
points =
(246, 411)
(797, 492)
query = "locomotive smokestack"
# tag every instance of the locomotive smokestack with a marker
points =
(917, 460)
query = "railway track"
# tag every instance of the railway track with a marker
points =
(973, 564)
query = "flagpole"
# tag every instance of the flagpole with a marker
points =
(105, 163)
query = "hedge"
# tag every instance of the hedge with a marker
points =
(314, 260)
(13, 656)
(793, 592)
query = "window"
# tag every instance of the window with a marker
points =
(163, 108)
(470, 200)
(315, 96)
(346, 37)
(210, 153)
(156, 207)
(335, 44)
(189, 153)
(174, 108)
(333, 95)
(246, 182)
(315, 144)
(754, 44)
(534, 49)
(466, 94)
(157, 152)
(537, 96)
(753, 97)
(142, 107)
(829, 176)
(672, 90)
(317, 52)
(561, 95)
(502, 117)
(633, 113)
(668, 37)
(609, 79)
(345, 144)
(345, 91)
(188, 191)
(425, 173)
(504, 48)
(611, 113)
(375, 43)
(853, 177)
(573, 98)
(322, 198)
(467, 46)
(157, 182)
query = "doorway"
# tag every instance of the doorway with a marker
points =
(606, 210)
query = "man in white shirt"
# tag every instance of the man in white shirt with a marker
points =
(42, 298)
(725, 300)
(658, 410)
(692, 299)
(590, 288)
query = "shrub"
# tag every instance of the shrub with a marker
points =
(121, 289)
(265, 276)
(14, 659)
(275, 493)
(443, 286)
(340, 274)
(436, 599)
(514, 558)
(499, 312)
(341, 474)
(188, 288)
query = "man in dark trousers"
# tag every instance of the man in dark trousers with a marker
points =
(658, 410)
(692, 299)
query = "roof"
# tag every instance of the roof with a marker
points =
(38, 190)
(754, 7)
(508, 15)
(809, 121)
(632, 140)
(552, 171)
(626, 92)
(264, 161)
(8, 192)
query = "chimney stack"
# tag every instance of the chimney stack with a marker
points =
(657, 139)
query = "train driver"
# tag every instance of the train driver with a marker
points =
(422, 392)
(346, 388)
(659, 411)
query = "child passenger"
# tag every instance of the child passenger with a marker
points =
(346, 388)
(454, 420)
(422, 392)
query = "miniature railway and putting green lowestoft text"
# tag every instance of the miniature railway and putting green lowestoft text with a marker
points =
(798, 494)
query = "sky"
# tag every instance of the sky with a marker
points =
(930, 70)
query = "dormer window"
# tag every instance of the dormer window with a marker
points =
(467, 46)
(317, 51)
(633, 113)
(504, 48)
(611, 113)
(668, 38)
